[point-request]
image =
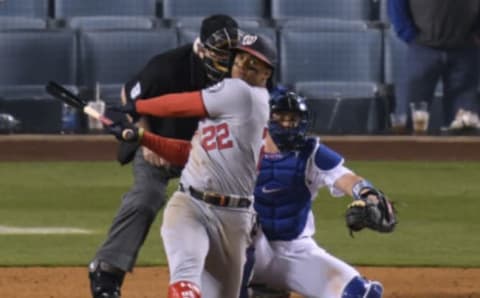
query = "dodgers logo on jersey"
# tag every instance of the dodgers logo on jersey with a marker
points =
(217, 87)
(249, 39)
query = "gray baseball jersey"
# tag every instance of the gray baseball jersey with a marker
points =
(225, 150)
(205, 244)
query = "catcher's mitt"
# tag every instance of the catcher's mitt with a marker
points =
(365, 212)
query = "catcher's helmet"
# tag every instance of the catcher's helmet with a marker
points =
(217, 59)
(288, 138)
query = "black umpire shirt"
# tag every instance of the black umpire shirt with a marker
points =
(177, 70)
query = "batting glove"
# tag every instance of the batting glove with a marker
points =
(125, 131)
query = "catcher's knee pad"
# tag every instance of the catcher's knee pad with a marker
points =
(262, 291)
(359, 287)
(184, 289)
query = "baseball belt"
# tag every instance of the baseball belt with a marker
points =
(215, 198)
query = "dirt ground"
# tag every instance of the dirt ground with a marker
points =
(152, 281)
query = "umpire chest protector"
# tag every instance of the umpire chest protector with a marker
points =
(282, 198)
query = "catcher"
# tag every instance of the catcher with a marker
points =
(293, 168)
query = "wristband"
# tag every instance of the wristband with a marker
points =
(359, 186)
(141, 132)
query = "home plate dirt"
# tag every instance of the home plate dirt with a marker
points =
(151, 282)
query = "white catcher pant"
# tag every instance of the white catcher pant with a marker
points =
(300, 266)
(206, 244)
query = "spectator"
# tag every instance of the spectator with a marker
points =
(442, 38)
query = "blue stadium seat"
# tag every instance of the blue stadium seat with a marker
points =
(336, 9)
(174, 9)
(331, 56)
(111, 57)
(33, 57)
(75, 8)
(105, 14)
(21, 23)
(324, 24)
(24, 8)
(29, 59)
(109, 22)
(195, 22)
(344, 67)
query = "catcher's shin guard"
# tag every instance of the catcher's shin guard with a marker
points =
(359, 287)
(183, 289)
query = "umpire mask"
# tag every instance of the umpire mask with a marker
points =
(218, 55)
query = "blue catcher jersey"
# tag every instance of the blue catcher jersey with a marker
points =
(287, 184)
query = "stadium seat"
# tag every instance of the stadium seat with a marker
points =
(358, 112)
(21, 23)
(108, 22)
(175, 9)
(343, 115)
(324, 24)
(105, 14)
(29, 59)
(331, 56)
(24, 8)
(340, 66)
(111, 57)
(75, 8)
(195, 22)
(336, 9)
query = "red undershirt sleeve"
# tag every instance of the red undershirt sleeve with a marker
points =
(185, 104)
(173, 150)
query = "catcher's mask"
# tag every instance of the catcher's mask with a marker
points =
(288, 120)
(217, 56)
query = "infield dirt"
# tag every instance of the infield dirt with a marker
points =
(149, 282)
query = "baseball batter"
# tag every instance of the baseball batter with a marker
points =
(208, 222)
(293, 169)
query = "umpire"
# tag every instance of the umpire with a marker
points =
(185, 68)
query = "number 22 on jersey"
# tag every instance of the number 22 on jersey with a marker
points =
(216, 137)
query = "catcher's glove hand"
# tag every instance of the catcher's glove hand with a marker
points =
(373, 211)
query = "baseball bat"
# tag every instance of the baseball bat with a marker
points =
(61, 93)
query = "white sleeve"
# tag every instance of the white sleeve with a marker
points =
(226, 98)
(331, 176)
(320, 178)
